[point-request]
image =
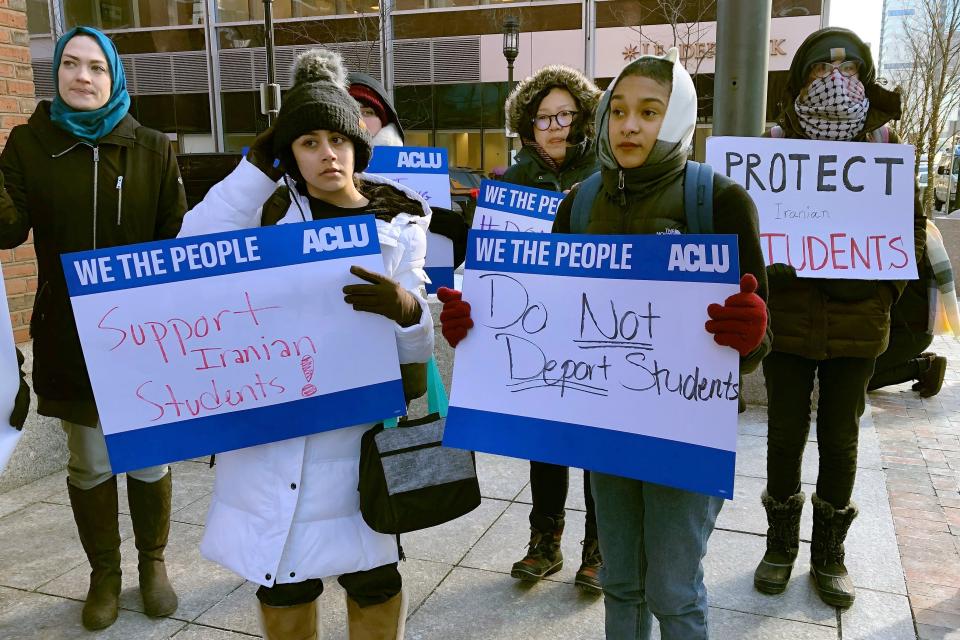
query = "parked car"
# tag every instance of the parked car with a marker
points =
(465, 189)
(945, 182)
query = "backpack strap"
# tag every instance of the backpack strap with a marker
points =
(583, 202)
(275, 207)
(698, 197)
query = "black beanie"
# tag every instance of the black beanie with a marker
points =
(819, 47)
(319, 100)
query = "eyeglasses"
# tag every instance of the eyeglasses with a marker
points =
(564, 119)
(847, 68)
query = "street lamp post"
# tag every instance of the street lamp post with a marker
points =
(511, 48)
(270, 91)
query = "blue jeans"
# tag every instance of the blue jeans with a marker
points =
(653, 539)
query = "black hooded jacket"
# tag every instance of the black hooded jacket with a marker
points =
(821, 319)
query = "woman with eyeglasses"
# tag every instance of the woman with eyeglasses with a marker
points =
(552, 111)
(829, 329)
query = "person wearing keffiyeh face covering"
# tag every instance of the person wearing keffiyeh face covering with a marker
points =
(829, 329)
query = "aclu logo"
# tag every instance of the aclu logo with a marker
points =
(420, 160)
(714, 258)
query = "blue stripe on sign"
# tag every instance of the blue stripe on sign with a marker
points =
(215, 254)
(175, 441)
(676, 464)
(439, 277)
(524, 201)
(408, 160)
(675, 258)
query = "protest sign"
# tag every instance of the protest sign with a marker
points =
(223, 341)
(591, 352)
(423, 169)
(9, 380)
(510, 207)
(841, 210)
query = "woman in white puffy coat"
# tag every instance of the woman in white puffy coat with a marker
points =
(286, 514)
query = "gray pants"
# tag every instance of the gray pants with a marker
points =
(89, 464)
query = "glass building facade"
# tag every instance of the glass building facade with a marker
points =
(194, 66)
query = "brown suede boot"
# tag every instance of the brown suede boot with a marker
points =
(95, 511)
(384, 621)
(150, 513)
(830, 526)
(543, 557)
(297, 622)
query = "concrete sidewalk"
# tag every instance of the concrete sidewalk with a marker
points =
(457, 575)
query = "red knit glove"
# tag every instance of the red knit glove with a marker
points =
(455, 318)
(741, 321)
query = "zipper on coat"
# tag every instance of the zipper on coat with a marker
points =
(96, 175)
(623, 194)
(119, 198)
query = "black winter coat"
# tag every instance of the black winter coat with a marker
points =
(821, 319)
(76, 196)
(531, 171)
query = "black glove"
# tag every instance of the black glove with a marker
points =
(382, 296)
(262, 157)
(21, 406)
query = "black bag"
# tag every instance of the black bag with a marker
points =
(408, 480)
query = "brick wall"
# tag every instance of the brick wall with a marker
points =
(16, 105)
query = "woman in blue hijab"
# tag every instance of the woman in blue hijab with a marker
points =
(84, 174)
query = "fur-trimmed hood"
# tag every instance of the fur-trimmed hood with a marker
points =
(521, 105)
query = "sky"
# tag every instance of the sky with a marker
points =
(862, 16)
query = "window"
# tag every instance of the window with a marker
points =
(132, 14)
(38, 17)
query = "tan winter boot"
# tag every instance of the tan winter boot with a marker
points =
(298, 622)
(384, 621)
(95, 511)
(150, 513)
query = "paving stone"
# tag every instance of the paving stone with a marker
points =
(35, 491)
(199, 632)
(506, 542)
(41, 542)
(458, 536)
(729, 565)
(35, 616)
(747, 626)
(199, 583)
(873, 557)
(550, 610)
(501, 477)
(194, 513)
(877, 616)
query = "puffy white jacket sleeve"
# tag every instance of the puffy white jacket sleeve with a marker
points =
(415, 343)
(233, 203)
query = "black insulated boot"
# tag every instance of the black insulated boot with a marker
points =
(830, 526)
(783, 542)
